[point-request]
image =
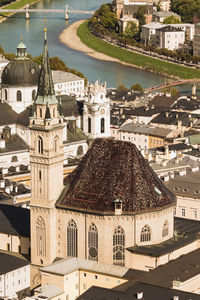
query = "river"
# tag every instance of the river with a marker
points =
(32, 30)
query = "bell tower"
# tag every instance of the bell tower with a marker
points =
(96, 112)
(46, 160)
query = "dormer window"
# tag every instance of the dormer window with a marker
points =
(118, 205)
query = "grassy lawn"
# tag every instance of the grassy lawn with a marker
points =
(17, 4)
(151, 64)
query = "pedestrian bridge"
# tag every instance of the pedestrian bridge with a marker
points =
(28, 10)
(170, 84)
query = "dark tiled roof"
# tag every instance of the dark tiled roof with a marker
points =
(143, 111)
(169, 28)
(7, 115)
(186, 231)
(15, 144)
(181, 269)
(150, 292)
(69, 106)
(172, 118)
(123, 95)
(14, 220)
(10, 263)
(23, 117)
(164, 101)
(186, 104)
(109, 169)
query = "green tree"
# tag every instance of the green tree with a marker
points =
(185, 8)
(171, 20)
(137, 87)
(140, 16)
(171, 90)
(106, 17)
(131, 30)
(121, 87)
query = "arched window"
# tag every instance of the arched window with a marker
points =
(89, 125)
(93, 242)
(54, 113)
(145, 234)
(6, 94)
(119, 246)
(14, 158)
(102, 125)
(72, 243)
(40, 145)
(165, 229)
(40, 113)
(55, 144)
(19, 95)
(80, 150)
(41, 237)
(33, 94)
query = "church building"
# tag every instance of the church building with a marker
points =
(113, 200)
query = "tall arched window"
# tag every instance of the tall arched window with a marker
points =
(102, 125)
(41, 237)
(93, 242)
(89, 125)
(145, 234)
(55, 144)
(119, 246)
(6, 94)
(165, 229)
(40, 145)
(54, 113)
(72, 243)
(33, 94)
(19, 95)
(40, 113)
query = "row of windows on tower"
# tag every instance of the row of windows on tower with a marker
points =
(41, 115)
(102, 125)
(72, 240)
(19, 95)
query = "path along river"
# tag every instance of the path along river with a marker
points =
(32, 30)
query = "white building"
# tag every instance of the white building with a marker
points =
(14, 276)
(149, 32)
(66, 83)
(169, 37)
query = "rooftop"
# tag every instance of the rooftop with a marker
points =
(68, 265)
(145, 129)
(185, 232)
(109, 169)
(10, 262)
(61, 76)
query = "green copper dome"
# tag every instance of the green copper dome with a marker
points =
(22, 71)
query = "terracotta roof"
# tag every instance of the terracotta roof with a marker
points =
(109, 169)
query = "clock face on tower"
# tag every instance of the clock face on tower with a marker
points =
(102, 111)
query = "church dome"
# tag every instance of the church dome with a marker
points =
(22, 71)
(111, 170)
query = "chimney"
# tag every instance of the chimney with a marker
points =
(166, 151)
(194, 89)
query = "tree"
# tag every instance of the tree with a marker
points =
(137, 87)
(131, 30)
(171, 20)
(140, 16)
(121, 87)
(106, 17)
(171, 90)
(185, 8)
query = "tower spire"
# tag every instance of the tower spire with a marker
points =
(46, 93)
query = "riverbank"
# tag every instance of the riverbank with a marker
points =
(78, 37)
(16, 5)
(70, 38)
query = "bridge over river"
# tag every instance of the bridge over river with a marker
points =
(28, 10)
(170, 84)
